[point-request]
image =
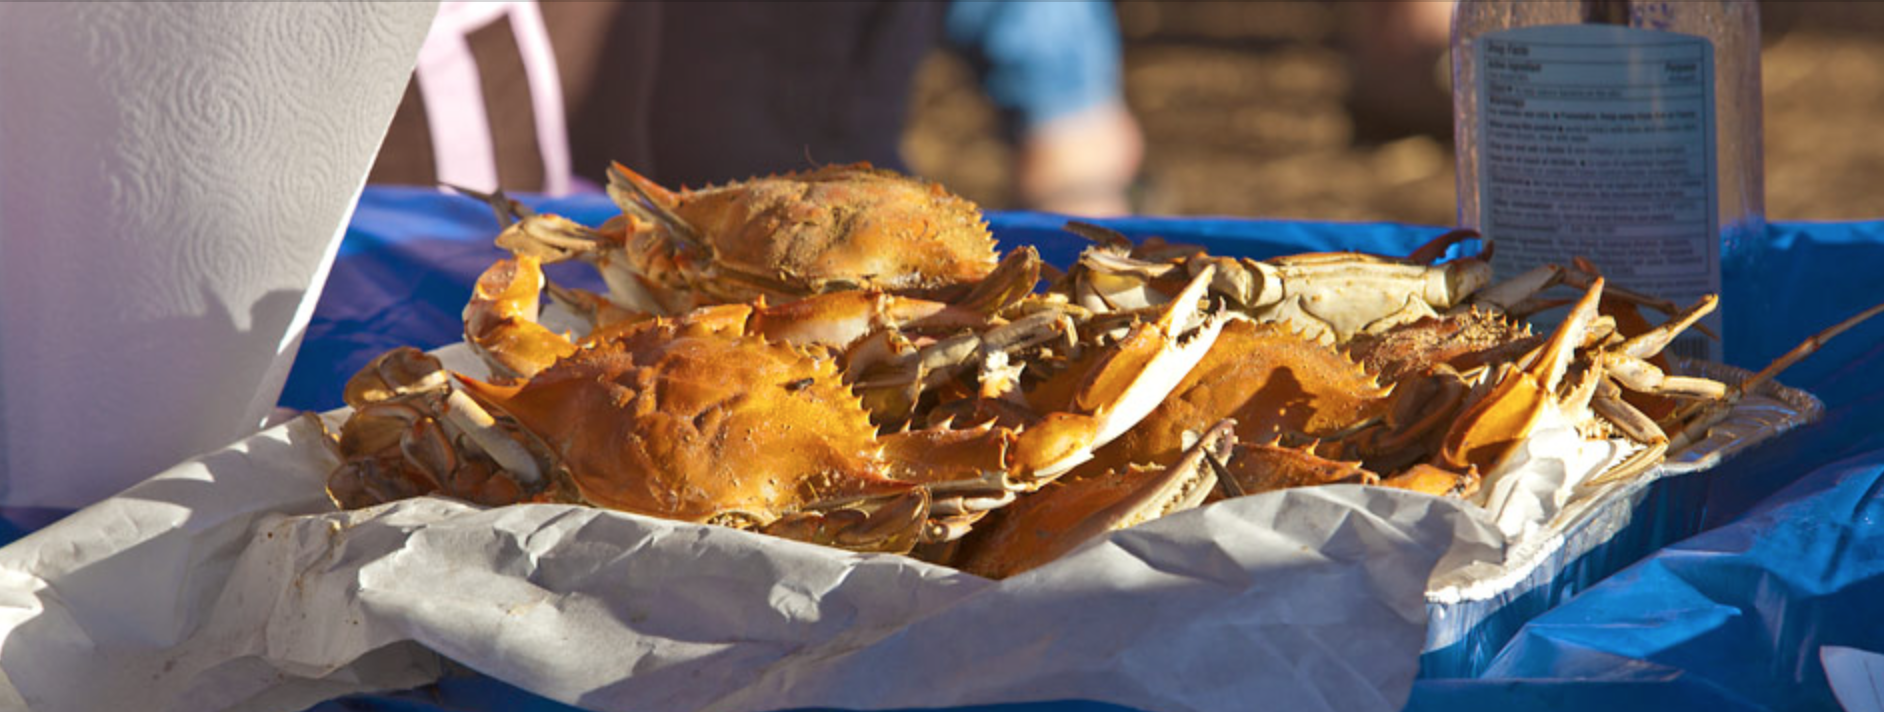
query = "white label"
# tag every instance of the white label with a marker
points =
(1597, 141)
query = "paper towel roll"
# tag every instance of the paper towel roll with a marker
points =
(174, 180)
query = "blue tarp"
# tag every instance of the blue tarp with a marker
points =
(1730, 619)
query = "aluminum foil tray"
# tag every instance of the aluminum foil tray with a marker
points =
(1471, 615)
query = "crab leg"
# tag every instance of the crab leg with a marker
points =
(1695, 419)
(1419, 408)
(1643, 377)
(1638, 427)
(1627, 364)
(1513, 296)
(964, 471)
(550, 238)
(602, 314)
(1100, 234)
(500, 443)
(1113, 282)
(1652, 342)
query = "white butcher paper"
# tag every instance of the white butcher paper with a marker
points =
(229, 582)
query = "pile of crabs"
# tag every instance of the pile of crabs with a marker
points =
(840, 356)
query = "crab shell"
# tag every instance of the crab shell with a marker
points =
(1255, 468)
(1462, 340)
(836, 227)
(1269, 379)
(1329, 296)
(696, 421)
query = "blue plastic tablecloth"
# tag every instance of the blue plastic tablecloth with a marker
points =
(1730, 619)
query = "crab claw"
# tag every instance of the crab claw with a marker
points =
(500, 320)
(1045, 525)
(1132, 378)
(1491, 429)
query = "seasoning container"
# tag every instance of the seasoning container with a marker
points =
(1622, 131)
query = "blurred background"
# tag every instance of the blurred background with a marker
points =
(1253, 109)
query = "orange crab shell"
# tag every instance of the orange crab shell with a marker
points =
(1463, 340)
(1045, 525)
(850, 225)
(698, 422)
(1254, 468)
(1267, 378)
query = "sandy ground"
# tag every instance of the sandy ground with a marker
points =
(1245, 112)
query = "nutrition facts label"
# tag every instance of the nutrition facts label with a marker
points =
(1598, 141)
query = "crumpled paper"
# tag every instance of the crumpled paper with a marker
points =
(228, 583)
(1544, 474)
